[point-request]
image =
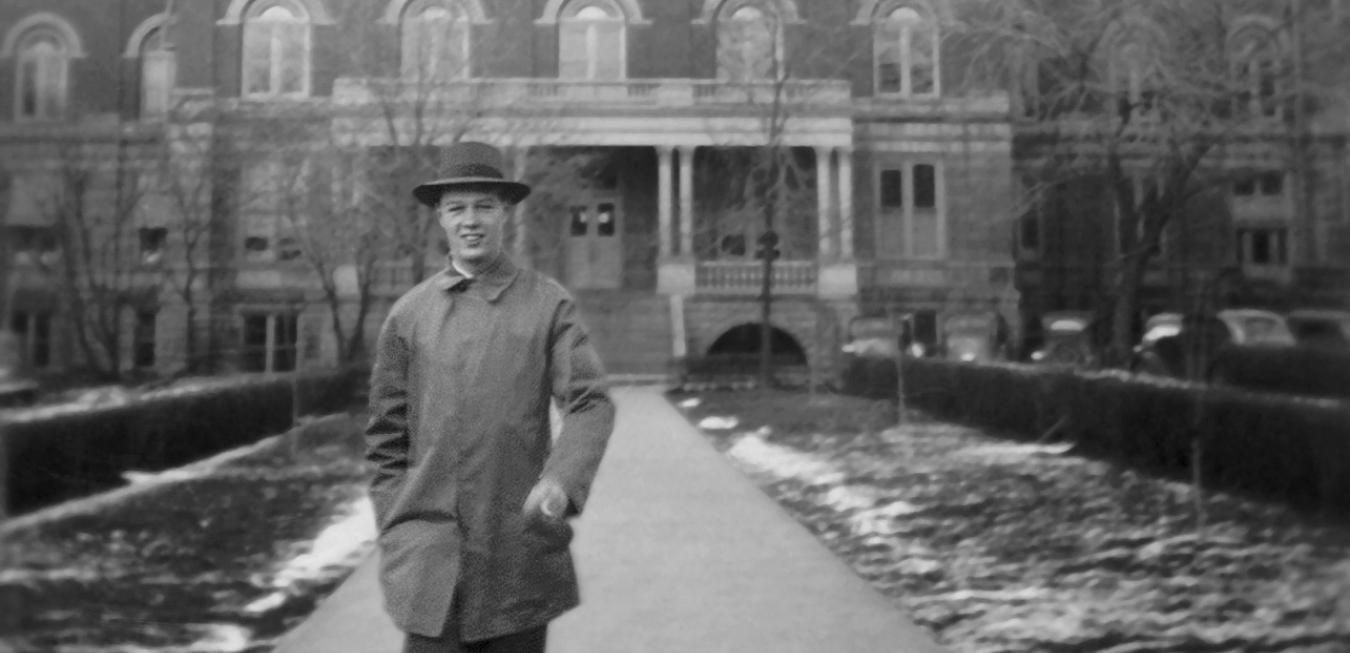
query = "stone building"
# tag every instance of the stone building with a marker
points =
(221, 182)
(170, 122)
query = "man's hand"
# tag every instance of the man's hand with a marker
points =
(548, 500)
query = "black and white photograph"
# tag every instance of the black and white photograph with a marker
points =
(675, 326)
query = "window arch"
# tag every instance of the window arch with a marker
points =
(905, 51)
(749, 42)
(43, 75)
(277, 46)
(592, 41)
(158, 70)
(1134, 70)
(631, 10)
(435, 41)
(42, 46)
(1257, 70)
(785, 10)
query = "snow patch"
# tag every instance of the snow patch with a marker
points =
(784, 462)
(222, 638)
(692, 402)
(22, 576)
(1013, 452)
(867, 517)
(714, 423)
(844, 498)
(338, 544)
(133, 477)
(216, 638)
(882, 520)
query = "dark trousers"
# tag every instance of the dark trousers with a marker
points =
(530, 641)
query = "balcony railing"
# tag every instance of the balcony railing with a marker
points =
(746, 277)
(935, 273)
(635, 92)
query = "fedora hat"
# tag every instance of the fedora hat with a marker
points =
(469, 163)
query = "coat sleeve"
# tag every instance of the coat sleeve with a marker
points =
(582, 395)
(386, 433)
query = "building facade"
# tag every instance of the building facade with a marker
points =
(218, 185)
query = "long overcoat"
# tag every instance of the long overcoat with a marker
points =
(458, 435)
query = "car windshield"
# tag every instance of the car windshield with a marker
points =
(1067, 325)
(879, 328)
(1261, 329)
(1161, 331)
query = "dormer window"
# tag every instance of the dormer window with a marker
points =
(158, 69)
(592, 42)
(1257, 73)
(906, 53)
(435, 41)
(748, 44)
(42, 83)
(276, 50)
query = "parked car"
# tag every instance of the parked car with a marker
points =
(974, 336)
(1327, 328)
(1066, 339)
(867, 365)
(1187, 346)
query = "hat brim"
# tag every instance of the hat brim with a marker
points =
(430, 192)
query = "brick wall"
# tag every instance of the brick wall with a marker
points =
(817, 325)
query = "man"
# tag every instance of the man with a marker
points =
(471, 494)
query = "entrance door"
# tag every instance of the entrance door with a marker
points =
(595, 244)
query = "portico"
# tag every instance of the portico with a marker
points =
(833, 272)
(676, 119)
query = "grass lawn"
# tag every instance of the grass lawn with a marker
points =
(1000, 545)
(193, 564)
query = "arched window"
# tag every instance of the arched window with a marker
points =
(43, 79)
(1257, 73)
(1135, 76)
(158, 69)
(748, 43)
(592, 42)
(435, 41)
(276, 49)
(906, 53)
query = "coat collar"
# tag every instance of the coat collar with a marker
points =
(494, 280)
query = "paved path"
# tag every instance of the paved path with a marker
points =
(678, 553)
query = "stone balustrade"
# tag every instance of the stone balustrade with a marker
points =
(744, 277)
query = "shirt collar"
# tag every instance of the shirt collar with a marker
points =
(494, 280)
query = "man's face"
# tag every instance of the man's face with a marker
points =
(473, 223)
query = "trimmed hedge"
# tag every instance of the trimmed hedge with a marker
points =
(65, 455)
(1284, 447)
(1311, 371)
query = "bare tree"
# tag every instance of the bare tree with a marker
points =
(322, 201)
(184, 173)
(1152, 100)
(92, 205)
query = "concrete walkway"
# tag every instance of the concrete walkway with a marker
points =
(678, 553)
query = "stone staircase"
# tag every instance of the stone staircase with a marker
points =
(632, 332)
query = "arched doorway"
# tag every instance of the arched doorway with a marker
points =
(737, 349)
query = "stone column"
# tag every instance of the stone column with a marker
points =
(824, 203)
(520, 242)
(846, 203)
(675, 268)
(665, 198)
(687, 202)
